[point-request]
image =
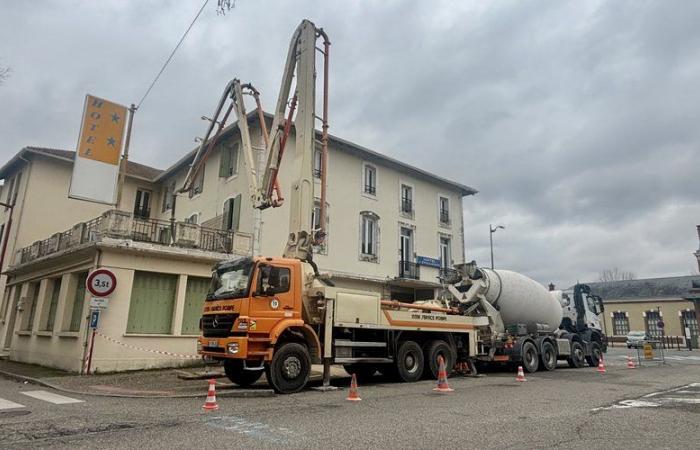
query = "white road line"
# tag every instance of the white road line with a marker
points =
(6, 404)
(51, 397)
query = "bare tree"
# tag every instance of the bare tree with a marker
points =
(223, 6)
(615, 274)
(4, 73)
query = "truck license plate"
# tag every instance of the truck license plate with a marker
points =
(213, 343)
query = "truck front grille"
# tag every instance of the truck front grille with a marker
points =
(218, 325)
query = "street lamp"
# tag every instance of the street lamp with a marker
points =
(492, 230)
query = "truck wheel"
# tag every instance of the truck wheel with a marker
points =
(244, 378)
(432, 351)
(577, 358)
(363, 372)
(549, 356)
(596, 354)
(409, 362)
(531, 360)
(288, 372)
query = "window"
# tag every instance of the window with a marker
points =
(406, 199)
(53, 305)
(621, 324)
(76, 306)
(273, 280)
(369, 236)
(168, 196)
(142, 204)
(651, 324)
(228, 165)
(370, 177)
(30, 308)
(193, 219)
(444, 205)
(152, 303)
(407, 268)
(195, 294)
(689, 320)
(318, 163)
(198, 183)
(445, 252)
(316, 225)
(232, 213)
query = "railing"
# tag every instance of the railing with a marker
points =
(407, 206)
(120, 225)
(449, 275)
(444, 217)
(317, 173)
(409, 269)
(369, 189)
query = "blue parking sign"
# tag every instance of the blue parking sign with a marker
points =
(94, 318)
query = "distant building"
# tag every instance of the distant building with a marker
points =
(391, 228)
(639, 305)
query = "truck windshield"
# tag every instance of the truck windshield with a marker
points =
(231, 279)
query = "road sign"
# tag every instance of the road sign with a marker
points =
(101, 282)
(94, 318)
(99, 303)
(427, 261)
(648, 351)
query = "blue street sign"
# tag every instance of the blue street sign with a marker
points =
(94, 318)
(426, 261)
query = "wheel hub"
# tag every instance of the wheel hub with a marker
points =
(410, 361)
(291, 368)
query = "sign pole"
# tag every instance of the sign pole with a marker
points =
(125, 157)
(92, 347)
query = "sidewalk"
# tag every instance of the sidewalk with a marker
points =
(160, 383)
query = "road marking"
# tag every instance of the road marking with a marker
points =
(6, 404)
(51, 397)
(662, 398)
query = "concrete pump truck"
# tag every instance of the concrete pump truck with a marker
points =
(279, 315)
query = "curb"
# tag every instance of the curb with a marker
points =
(243, 393)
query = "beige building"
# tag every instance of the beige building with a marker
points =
(639, 305)
(391, 228)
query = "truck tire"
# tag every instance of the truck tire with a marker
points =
(434, 349)
(288, 372)
(577, 358)
(548, 358)
(596, 355)
(530, 358)
(409, 362)
(363, 372)
(235, 372)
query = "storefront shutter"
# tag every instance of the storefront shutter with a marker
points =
(194, 300)
(152, 303)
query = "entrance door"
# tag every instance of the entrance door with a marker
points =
(10, 331)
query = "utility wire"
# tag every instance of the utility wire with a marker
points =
(172, 54)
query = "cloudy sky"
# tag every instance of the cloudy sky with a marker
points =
(578, 122)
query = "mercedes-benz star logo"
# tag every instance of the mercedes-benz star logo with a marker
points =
(215, 322)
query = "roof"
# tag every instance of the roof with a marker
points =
(348, 146)
(133, 169)
(648, 288)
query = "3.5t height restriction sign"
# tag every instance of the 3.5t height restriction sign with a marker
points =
(101, 282)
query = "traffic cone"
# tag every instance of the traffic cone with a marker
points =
(630, 363)
(601, 366)
(353, 396)
(521, 374)
(210, 403)
(442, 385)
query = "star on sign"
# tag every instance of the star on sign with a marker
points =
(111, 141)
(115, 117)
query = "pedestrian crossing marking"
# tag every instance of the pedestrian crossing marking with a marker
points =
(6, 404)
(51, 397)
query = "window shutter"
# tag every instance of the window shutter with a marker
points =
(227, 214)
(236, 216)
(225, 164)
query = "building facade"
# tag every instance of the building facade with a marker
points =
(391, 228)
(640, 305)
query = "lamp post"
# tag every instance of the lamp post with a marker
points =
(492, 230)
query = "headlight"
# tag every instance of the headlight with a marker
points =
(232, 348)
(199, 346)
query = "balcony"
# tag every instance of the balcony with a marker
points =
(125, 226)
(409, 270)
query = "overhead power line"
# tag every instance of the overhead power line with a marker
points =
(155, 80)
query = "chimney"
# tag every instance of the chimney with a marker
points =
(551, 286)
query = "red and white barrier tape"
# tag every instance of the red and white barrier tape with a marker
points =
(158, 352)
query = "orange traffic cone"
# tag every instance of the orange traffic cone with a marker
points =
(442, 385)
(210, 403)
(601, 366)
(353, 396)
(521, 374)
(630, 363)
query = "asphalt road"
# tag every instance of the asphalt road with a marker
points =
(650, 407)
